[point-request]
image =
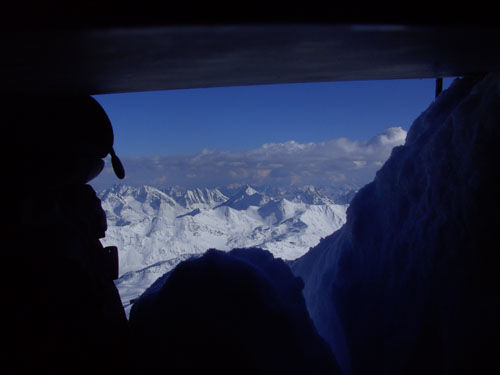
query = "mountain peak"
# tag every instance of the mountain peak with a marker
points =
(248, 190)
(245, 197)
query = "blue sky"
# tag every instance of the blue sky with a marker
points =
(161, 123)
(316, 133)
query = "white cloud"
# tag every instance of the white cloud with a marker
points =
(334, 161)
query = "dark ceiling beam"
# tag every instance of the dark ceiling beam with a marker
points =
(118, 46)
(179, 57)
(57, 14)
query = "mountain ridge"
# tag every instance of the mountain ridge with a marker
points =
(152, 225)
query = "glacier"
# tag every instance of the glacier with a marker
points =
(410, 283)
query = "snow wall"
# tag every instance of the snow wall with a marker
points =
(410, 284)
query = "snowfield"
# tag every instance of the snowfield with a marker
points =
(155, 228)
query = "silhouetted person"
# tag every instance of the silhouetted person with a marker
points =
(62, 312)
(228, 313)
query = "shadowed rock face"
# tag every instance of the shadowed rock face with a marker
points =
(410, 284)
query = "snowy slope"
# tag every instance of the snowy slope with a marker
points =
(150, 226)
(153, 226)
(409, 284)
(192, 199)
(132, 284)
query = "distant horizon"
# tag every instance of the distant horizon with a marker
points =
(312, 133)
(233, 186)
(331, 163)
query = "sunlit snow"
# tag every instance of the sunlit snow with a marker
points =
(155, 228)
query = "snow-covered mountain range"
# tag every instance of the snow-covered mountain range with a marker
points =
(154, 228)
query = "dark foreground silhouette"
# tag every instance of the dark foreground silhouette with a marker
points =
(61, 311)
(228, 313)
